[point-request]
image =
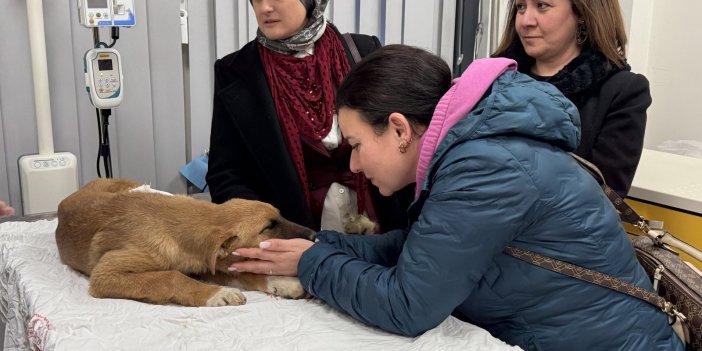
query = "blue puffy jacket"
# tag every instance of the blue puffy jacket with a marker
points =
(501, 176)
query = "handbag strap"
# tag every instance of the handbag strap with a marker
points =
(352, 47)
(593, 277)
(626, 213)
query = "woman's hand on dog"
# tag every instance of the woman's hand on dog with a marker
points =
(273, 257)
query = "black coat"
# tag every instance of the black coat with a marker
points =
(612, 102)
(248, 157)
(613, 119)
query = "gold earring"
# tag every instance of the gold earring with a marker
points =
(404, 144)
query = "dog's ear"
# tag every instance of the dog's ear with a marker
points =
(225, 248)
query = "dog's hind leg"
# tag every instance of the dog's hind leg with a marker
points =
(123, 275)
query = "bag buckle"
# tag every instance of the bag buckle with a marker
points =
(672, 312)
(657, 236)
(642, 225)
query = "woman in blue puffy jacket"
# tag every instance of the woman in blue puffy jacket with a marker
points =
(489, 154)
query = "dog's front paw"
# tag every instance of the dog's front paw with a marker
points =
(226, 297)
(288, 287)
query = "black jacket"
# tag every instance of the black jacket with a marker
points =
(612, 102)
(613, 122)
(248, 157)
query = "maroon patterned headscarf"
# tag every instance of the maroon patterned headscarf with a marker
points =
(303, 90)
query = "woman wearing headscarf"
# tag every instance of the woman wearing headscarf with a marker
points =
(274, 134)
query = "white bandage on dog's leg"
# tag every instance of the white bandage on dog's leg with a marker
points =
(146, 188)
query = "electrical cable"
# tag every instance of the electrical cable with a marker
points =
(114, 33)
(106, 157)
(104, 142)
(99, 153)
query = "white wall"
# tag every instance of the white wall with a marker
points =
(666, 47)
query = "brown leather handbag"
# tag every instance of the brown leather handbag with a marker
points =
(675, 281)
(678, 286)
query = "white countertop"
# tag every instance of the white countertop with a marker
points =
(670, 180)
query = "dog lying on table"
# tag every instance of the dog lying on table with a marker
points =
(148, 245)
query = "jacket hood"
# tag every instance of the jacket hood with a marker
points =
(517, 105)
(514, 105)
(465, 92)
(521, 106)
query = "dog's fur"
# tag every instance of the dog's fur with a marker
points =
(359, 224)
(147, 246)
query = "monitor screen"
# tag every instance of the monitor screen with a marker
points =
(105, 65)
(102, 4)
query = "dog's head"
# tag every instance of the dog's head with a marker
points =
(247, 223)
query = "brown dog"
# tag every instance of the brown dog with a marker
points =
(146, 246)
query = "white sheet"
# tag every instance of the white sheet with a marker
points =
(46, 306)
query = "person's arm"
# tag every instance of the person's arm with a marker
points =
(282, 256)
(476, 206)
(619, 143)
(382, 249)
(227, 159)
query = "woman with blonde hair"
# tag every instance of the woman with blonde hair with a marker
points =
(579, 46)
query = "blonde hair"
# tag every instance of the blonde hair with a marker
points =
(603, 24)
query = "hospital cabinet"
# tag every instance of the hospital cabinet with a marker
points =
(668, 188)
